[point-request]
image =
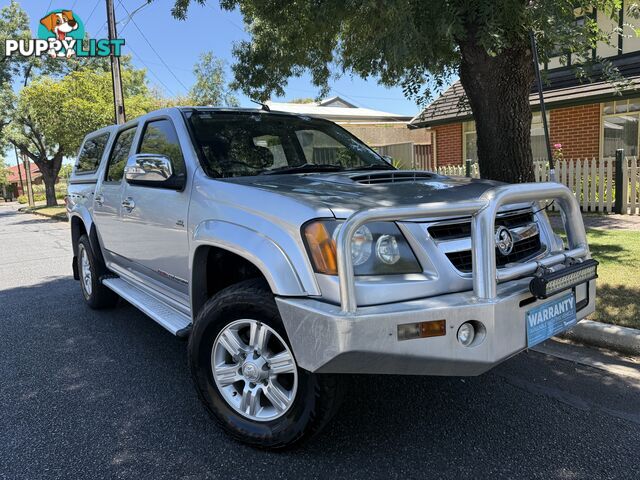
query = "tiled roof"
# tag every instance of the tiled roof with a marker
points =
(13, 177)
(561, 88)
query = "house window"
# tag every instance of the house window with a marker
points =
(470, 138)
(538, 142)
(620, 127)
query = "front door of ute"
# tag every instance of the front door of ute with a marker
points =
(154, 217)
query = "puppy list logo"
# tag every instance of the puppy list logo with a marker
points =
(61, 35)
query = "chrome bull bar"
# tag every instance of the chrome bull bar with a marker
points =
(483, 248)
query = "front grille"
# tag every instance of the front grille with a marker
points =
(461, 260)
(452, 231)
(522, 251)
(392, 177)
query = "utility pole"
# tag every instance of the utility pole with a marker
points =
(27, 171)
(118, 96)
(19, 171)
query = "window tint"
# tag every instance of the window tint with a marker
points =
(247, 144)
(318, 148)
(120, 154)
(160, 138)
(91, 154)
(272, 143)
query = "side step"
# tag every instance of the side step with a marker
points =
(166, 316)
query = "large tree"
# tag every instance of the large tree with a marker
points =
(422, 45)
(52, 115)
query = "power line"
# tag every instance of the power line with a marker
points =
(227, 19)
(127, 20)
(92, 12)
(154, 50)
(135, 54)
(190, 70)
(151, 70)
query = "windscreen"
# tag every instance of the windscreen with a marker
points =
(236, 145)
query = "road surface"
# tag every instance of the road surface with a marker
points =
(88, 394)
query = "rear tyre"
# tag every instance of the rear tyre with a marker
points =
(95, 294)
(246, 375)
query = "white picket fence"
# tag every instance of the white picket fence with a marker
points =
(592, 180)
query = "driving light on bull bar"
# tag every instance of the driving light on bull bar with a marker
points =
(433, 328)
(466, 334)
(548, 284)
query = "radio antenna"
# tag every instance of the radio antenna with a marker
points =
(536, 66)
(264, 106)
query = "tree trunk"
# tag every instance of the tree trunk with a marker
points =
(50, 170)
(498, 89)
(50, 189)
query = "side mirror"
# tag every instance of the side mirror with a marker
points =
(152, 170)
(388, 159)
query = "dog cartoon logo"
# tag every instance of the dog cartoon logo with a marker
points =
(61, 35)
(61, 27)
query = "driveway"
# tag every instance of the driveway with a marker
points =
(88, 394)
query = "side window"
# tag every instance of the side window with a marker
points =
(91, 154)
(119, 155)
(160, 138)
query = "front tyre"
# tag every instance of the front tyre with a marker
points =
(246, 374)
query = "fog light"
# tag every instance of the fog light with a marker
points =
(466, 334)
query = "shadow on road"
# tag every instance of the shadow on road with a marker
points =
(105, 394)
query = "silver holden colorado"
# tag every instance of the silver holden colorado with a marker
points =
(288, 252)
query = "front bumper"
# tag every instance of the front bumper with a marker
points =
(327, 340)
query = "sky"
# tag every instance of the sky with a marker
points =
(177, 45)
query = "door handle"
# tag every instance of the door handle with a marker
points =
(99, 198)
(128, 204)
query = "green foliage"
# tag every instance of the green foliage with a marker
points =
(61, 188)
(210, 87)
(413, 43)
(14, 24)
(83, 102)
(302, 100)
(618, 251)
(65, 171)
(4, 172)
(39, 197)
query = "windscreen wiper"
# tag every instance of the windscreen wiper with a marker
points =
(306, 167)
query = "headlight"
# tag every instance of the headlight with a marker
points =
(377, 248)
(361, 244)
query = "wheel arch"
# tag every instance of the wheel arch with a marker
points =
(82, 224)
(250, 249)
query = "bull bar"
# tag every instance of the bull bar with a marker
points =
(483, 211)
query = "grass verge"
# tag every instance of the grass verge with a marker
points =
(618, 293)
(57, 213)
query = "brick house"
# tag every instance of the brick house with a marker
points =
(590, 119)
(16, 180)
